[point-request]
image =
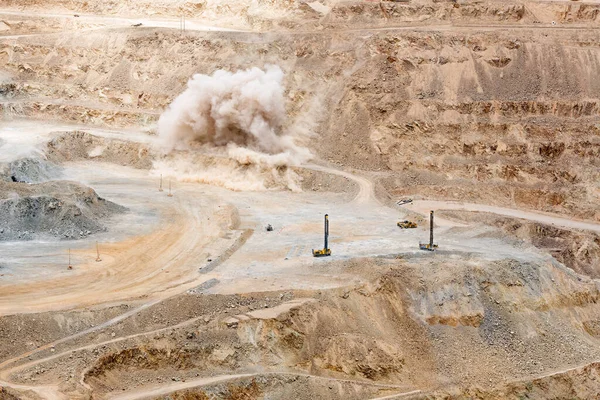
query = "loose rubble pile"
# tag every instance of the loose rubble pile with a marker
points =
(56, 209)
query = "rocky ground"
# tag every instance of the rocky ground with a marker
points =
(577, 249)
(418, 326)
(57, 209)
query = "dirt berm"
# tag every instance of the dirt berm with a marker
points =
(57, 209)
(29, 170)
(79, 145)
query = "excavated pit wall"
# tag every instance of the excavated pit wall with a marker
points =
(488, 117)
(325, 14)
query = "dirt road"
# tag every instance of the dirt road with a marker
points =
(151, 265)
(365, 192)
(111, 21)
(106, 21)
(423, 207)
(366, 195)
(197, 383)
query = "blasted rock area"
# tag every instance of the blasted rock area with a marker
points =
(57, 209)
(29, 170)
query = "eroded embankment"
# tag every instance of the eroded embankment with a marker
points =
(404, 328)
(421, 325)
(81, 145)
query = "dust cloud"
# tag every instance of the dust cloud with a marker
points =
(231, 129)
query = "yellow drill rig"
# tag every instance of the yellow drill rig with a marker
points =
(429, 246)
(326, 251)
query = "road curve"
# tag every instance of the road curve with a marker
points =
(365, 186)
(366, 195)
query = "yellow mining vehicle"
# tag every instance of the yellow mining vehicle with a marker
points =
(326, 250)
(407, 224)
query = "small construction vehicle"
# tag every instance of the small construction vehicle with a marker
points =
(403, 202)
(326, 250)
(406, 224)
(429, 246)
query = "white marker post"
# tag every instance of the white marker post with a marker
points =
(98, 259)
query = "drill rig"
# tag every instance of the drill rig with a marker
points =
(326, 250)
(429, 246)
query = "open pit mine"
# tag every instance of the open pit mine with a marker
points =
(299, 199)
